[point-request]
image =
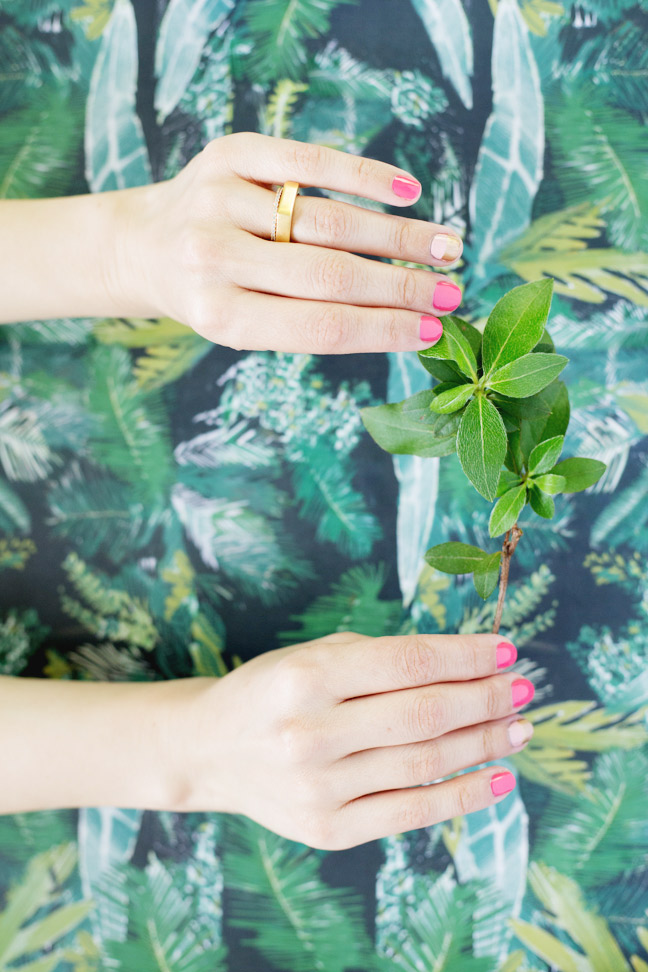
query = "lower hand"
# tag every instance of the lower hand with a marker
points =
(198, 249)
(327, 743)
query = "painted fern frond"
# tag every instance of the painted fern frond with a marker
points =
(604, 833)
(279, 108)
(38, 145)
(323, 489)
(279, 31)
(283, 908)
(337, 74)
(600, 155)
(130, 434)
(622, 520)
(354, 604)
(24, 453)
(13, 512)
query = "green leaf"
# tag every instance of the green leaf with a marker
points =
(13, 508)
(541, 503)
(579, 473)
(442, 370)
(409, 428)
(449, 31)
(545, 455)
(507, 510)
(469, 331)
(535, 430)
(451, 399)
(456, 558)
(481, 445)
(516, 324)
(486, 575)
(549, 483)
(454, 346)
(527, 375)
(506, 481)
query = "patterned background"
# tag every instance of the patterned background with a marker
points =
(256, 486)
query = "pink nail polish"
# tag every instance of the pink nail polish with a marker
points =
(430, 329)
(502, 783)
(506, 654)
(447, 296)
(523, 691)
(407, 188)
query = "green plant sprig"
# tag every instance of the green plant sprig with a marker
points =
(500, 405)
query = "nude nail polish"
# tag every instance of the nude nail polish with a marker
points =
(447, 296)
(502, 783)
(407, 188)
(430, 328)
(523, 691)
(506, 654)
(519, 732)
(445, 247)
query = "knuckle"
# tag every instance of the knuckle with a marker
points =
(365, 168)
(491, 698)
(393, 333)
(330, 331)
(297, 742)
(401, 237)
(464, 795)
(415, 811)
(426, 717)
(195, 249)
(305, 156)
(406, 287)
(333, 223)
(333, 275)
(209, 319)
(491, 743)
(415, 662)
(295, 680)
(424, 764)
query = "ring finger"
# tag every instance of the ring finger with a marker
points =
(399, 767)
(329, 269)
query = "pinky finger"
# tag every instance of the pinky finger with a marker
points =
(397, 811)
(253, 321)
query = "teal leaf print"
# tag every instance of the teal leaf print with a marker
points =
(449, 31)
(115, 151)
(510, 161)
(184, 30)
(494, 847)
(106, 839)
(284, 909)
(418, 482)
(24, 453)
(13, 511)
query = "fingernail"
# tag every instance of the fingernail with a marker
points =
(445, 247)
(431, 328)
(506, 654)
(519, 732)
(407, 188)
(523, 691)
(447, 296)
(502, 783)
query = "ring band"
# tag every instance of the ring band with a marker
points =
(283, 211)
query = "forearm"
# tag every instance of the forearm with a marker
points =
(77, 744)
(68, 257)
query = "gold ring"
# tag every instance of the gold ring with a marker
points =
(284, 205)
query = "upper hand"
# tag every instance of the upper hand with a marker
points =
(199, 251)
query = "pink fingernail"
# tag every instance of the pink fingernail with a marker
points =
(506, 654)
(502, 783)
(523, 691)
(431, 328)
(447, 296)
(445, 247)
(407, 188)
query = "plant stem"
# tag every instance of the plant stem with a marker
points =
(511, 541)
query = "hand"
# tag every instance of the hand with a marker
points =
(328, 742)
(200, 252)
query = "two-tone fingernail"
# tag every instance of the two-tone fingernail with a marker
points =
(406, 188)
(506, 654)
(446, 297)
(519, 732)
(445, 247)
(430, 329)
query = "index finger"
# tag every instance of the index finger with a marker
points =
(270, 160)
(386, 664)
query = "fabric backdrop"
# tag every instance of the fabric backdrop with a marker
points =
(169, 507)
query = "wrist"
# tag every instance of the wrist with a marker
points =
(127, 270)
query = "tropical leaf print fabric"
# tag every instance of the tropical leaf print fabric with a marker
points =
(171, 508)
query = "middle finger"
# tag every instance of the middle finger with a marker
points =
(414, 715)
